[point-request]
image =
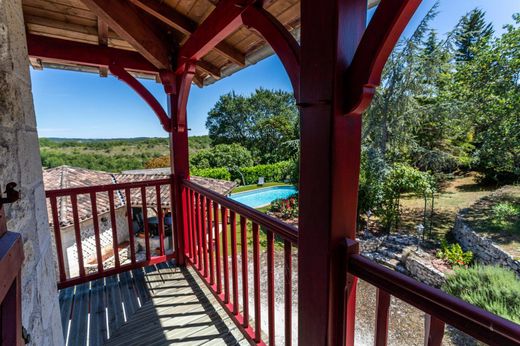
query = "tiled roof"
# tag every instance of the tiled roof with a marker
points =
(69, 177)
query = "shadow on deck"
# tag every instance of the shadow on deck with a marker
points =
(156, 305)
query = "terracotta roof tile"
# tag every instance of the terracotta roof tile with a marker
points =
(69, 177)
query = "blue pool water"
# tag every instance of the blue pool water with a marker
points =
(261, 197)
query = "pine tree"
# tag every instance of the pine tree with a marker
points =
(471, 32)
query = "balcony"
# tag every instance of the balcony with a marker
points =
(238, 284)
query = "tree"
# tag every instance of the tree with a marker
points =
(260, 122)
(471, 33)
(222, 155)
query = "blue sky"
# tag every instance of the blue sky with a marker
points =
(81, 105)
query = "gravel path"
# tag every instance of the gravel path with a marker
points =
(406, 325)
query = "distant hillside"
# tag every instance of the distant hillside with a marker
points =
(111, 155)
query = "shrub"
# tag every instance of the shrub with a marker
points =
(287, 207)
(454, 255)
(158, 162)
(273, 172)
(215, 173)
(494, 289)
(505, 212)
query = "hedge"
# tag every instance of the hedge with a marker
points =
(273, 172)
(215, 173)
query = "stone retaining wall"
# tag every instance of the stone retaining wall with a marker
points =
(483, 249)
(420, 267)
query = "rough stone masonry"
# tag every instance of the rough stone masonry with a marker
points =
(20, 163)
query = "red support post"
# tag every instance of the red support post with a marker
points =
(177, 88)
(329, 166)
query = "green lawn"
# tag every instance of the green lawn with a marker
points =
(255, 186)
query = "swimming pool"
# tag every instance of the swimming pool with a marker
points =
(264, 196)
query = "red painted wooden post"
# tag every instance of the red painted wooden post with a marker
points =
(77, 233)
(329, 165)
(192, 227)
(225, 257)
(245, 288)
(113, 225)
(199, 231)
(95, 221)
(57, 238)
(270, 287)
(146, 226)
(433, 330)
(210, 243)
(130, 224)
(256, 282)
(382, 310)
(288, 291)
(204, 235)
(160, 218)
(234, 265)
(217, 247)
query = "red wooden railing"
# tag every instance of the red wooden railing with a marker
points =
(70, 198)
(212, 231)
(440, 308)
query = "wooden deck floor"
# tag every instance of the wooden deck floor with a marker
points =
(158, 305)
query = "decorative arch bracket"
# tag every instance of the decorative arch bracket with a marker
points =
(281, 40)
(118, 71)
(378, 41)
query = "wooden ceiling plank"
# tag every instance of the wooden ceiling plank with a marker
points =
(129, 25)
(184, 24)
(60, 8)
(225, 19)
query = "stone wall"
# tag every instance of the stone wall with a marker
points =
(483, 249)
(420, 267)
(20, 163)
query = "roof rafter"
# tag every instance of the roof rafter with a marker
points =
(128, 24)
(102, 28)
(65, 51)
(178, 21)
(225, 18)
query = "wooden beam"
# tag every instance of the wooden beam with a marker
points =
(56, 50)
(209, 68)
(178, 21)
(124, 19)
(102, 28)
(224, 20)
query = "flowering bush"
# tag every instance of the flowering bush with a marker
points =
(287, 207)
(454, 255)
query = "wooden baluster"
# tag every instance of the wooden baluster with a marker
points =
(245, 289)
(57, 238)
(204, 235)
(95, 221)
(256, 283)
(382, 310)
(199, 231)
(210, 243)
(77, 233)
(160, 217)
(113, 225)
(270, 287)
(434, 331)
(130, 224)
(225, 259)
(217, 246)
(234, 263)
(288, 291)
(145, 220)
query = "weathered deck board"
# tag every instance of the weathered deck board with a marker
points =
(66, 298)
(176, 308)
